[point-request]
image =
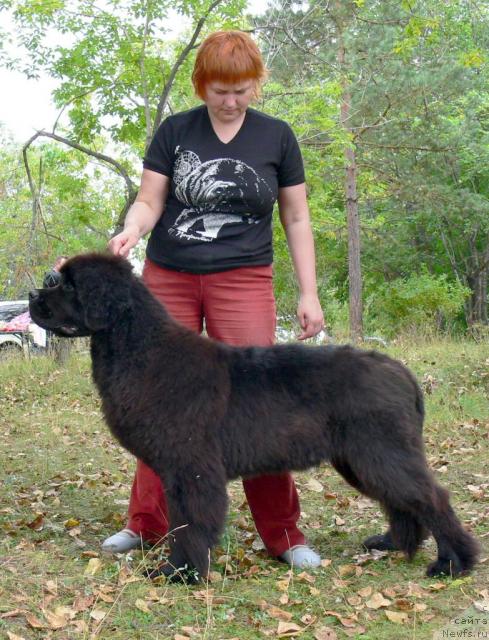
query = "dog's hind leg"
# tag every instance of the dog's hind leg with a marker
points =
(458, 550)
(424, 506)
(381, 541)
(197, 505)
(406, 532)
(401, 481)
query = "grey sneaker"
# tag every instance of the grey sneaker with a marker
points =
(302, 557)
(122, 541)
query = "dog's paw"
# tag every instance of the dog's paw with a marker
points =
(380, 542)
(175, 575)
(445, 567)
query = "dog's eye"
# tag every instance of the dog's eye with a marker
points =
(67, 286)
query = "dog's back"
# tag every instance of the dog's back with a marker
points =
(291, 405)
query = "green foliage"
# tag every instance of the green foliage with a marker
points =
(417, 78)
(80, 203)
(419, 303)
(417, 73)
(115, 58)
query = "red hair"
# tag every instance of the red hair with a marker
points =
(228, 57)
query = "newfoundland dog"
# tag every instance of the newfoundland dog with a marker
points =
(201, 413)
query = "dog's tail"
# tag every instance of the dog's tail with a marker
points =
(407, 532)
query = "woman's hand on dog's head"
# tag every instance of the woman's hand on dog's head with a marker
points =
(123, 242)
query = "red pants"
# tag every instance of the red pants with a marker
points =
(239, 308)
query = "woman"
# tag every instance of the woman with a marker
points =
(215, 172)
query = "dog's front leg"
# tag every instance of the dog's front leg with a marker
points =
(197, 505)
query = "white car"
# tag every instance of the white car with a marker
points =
(17, 331)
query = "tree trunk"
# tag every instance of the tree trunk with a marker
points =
(476, 307)
(353, 219)
(354, 263)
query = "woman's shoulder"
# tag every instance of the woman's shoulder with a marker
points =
(183, 117)
(264, 118)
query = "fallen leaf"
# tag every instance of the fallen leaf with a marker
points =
(12, 614)
(288, 629)
(98, 614)
(347, 570)
(142, 606)
(82, 603)
(366, 592)
(354, 632)
(80, 625)
(94, 565)
(340, 584)
(71, 523)
(349, 622)
(191, 631)
(206, 595)
(377, 601)
(279, 614)
(314, 485)
(403, 604)
(126, 576)
(283, 585)
(34, 622)
(51, 587)
(38, 523)
(482, 605)
(416, 590)
(399, 617)
(13, 636)
(305, 577)
(308, 619)
(55, 620)
(65, 612)
(325, 633)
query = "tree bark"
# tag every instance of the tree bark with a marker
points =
(477, 280)
(351, 197)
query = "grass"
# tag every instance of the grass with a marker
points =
(65, 486)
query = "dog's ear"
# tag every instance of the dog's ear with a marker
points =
(105, 295)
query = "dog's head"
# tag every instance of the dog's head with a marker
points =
(92, 295)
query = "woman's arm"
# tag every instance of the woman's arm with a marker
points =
(144, 213)
(294, 216)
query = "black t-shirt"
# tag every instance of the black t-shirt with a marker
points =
(219, 208)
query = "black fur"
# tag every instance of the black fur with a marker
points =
(201, 413)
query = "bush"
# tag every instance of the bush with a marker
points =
(419, 302)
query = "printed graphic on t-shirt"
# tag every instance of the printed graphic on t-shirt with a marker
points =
(212, 191)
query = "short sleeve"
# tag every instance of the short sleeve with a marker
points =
(160, 154)
(291, 169)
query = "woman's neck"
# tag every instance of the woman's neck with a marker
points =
(226, 131)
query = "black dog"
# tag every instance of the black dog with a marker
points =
(201, 413)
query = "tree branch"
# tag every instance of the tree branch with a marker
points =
(131, 190)
(180, 60)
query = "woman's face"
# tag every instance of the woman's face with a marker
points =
(228, 102)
